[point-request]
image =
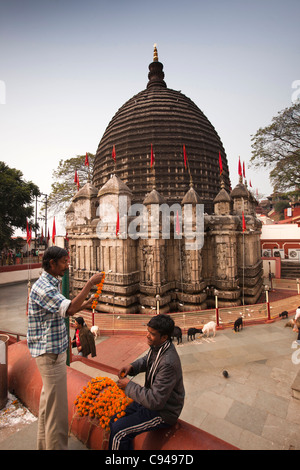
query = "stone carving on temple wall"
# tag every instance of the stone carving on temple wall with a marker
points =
(163, 265)
(222, 255)
(186, 265)
(199, 264)
(148, 264)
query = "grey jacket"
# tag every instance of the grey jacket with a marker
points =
(164, 389)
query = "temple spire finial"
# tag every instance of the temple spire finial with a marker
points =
(155, 55)
(156, 74)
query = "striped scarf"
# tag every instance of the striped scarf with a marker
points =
(150, 373)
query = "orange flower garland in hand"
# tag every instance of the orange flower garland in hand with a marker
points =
(101, 400)
(99, 289)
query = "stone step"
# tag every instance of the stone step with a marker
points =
(290, 271)
(290, 275)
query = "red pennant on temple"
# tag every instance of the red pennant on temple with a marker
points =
(244, 223)
(250, 183)
(220, 163)
(75, 177)
(53, 231)
(118, 225)
(86, 160)
(29, 233)
(48, 236)
(184, 157)
(114, 154)
(240, 168)
(244, 173)
(152, 157)
(78, 184)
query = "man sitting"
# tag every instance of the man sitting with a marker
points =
(159, 403)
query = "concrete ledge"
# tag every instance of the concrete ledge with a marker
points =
(15, 276)
(19, 267)
(25, 382)
(181, 436)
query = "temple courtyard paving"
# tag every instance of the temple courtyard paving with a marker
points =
(252, 409)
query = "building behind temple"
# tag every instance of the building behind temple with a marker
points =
(166, 157)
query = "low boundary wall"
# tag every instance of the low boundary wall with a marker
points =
(24, 381)
(14, 274)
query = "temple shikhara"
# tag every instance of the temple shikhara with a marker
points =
(160, 151)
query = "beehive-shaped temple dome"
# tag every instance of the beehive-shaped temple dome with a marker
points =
(163, 122)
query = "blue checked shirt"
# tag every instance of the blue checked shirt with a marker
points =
(47, 332)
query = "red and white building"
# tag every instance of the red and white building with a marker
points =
(280, 240)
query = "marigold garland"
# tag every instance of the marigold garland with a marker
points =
(99, 289)
(100, 400)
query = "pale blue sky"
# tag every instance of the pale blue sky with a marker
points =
(68, 66)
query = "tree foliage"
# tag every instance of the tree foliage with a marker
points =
(63, 189)
(277, 147)
(16, 198)
(280, 206)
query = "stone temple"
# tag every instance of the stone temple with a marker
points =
(156, 169)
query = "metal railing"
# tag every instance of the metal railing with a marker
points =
(136, 323)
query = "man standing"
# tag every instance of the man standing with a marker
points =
(159, 403)
(47, 339)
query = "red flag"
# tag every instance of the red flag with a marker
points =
(244, 173)
(220, 163)
(78, 184)
(184, 157)
(48, 236)
(244, 223)
(53, 231)
(114, 154)
(152, 157)
(118, 225)
(86, 163)
(29, 233)
(250, 183)
(240, 167)
(177, 224)
(75, 177)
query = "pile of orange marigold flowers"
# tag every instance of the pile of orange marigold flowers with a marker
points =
(101, 399)
(99, 290)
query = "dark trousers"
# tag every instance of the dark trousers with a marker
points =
(137, 420)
